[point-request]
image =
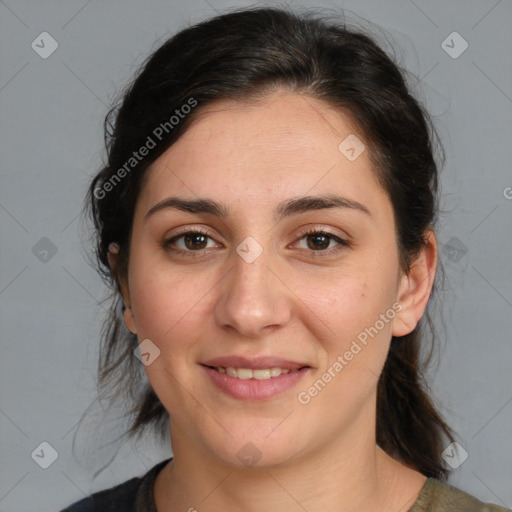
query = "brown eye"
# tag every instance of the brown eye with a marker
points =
(194, 242)
(318, 241)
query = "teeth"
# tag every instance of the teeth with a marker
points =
(244, 373)
(248, 373)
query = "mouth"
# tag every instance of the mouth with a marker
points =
(260, 381)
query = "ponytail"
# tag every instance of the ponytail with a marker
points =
(409, 428)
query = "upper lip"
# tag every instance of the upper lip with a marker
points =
(254, 363)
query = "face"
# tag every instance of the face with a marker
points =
(251, 289)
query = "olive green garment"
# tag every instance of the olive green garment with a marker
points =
(437, 496)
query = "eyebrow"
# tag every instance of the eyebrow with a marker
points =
(287, 208)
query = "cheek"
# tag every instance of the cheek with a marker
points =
(169, 311)
(360, 321)
(164, 302)
(349, 303)
(358, 309)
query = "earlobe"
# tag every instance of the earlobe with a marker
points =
(415, 288)
(113, 250)
(129, 321)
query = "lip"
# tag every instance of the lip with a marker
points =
(253, 389)
(254, 363)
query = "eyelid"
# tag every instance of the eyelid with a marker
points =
(302, 231)
(193, 230)
(312, 228)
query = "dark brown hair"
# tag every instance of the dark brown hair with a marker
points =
(243, 55)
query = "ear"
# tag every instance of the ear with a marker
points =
(415, 287)
(113, 251)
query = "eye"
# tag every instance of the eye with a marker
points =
(318, 241)
(193, 242)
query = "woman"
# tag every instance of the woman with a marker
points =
(267, 216)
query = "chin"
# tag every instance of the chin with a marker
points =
(256, 452)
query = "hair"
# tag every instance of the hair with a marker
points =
(243, 55)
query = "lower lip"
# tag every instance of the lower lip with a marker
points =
(253, 389)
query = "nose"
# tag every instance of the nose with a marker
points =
(254, 299)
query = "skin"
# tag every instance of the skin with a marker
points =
(319, 456)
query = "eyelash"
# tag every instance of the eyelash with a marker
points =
(166, 244)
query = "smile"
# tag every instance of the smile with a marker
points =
(248, 373)
(254, 384)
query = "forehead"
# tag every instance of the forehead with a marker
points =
(289, 124)
(285, 145)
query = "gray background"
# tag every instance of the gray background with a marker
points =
(51, 143)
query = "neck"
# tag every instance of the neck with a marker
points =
(348, 473)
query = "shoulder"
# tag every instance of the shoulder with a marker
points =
(120, 497)
(130, 496)
(437, 496)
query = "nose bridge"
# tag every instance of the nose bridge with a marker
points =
(253, 298)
